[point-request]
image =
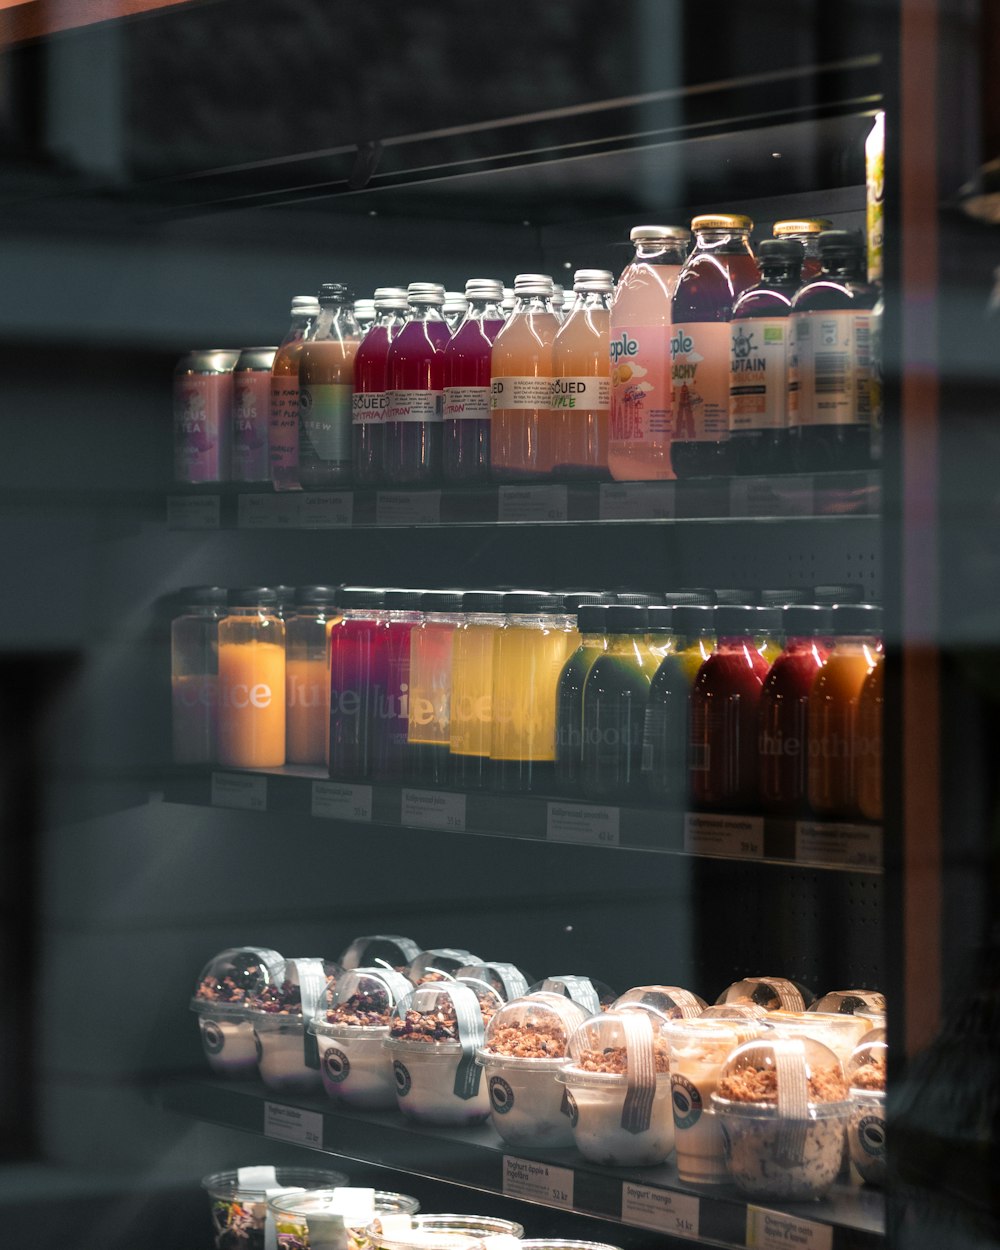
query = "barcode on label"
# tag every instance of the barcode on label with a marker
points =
(831, 372)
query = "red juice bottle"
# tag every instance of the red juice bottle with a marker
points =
(371, 399)
(722, 747)
(806, 230)
(415, 381)
(466, 430)
(356, 672)
(392, 696)
(719, 269)
(782, 735)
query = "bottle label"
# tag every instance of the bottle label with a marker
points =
(830, 372)
(250, 426)
(415, 406)
(699, 370)
(522, 393)
(466, 403)
(581, 394)
(283, 431)
(325, 422)
(202, 426)
(369, 408)
(758, 382)
(640, 386)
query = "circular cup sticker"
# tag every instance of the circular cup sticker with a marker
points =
(212, 1037)
(336, 1065)
(569, 1107)
(259, 1047)
(871, 1134)
(687, 1102)
(501, 1095)
(399, 1071)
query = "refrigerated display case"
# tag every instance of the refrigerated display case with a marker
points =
(171, 175)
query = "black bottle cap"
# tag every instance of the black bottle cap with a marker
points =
(857, 618)
(361, 597)
(482, 601)
(677, 597)
(829, 595)
(286, 595)
(778, 598)
(692, 619)
(737, 596)
(661, 618)
(591, 618)
(442, 600)
(332, 292)
(768, 620)
(841, 243)
(805, 620)
(253, 596)
(635, 599)
(736, 621)
(530, 602)
(780, 253)
(625, 618)
(316, 596)
(400, 599)
(203, 596)
(573, 600)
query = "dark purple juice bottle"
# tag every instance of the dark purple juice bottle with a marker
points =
(466, 449)
(371, 399)
(356, 672)
(392, 696)
(415, 381)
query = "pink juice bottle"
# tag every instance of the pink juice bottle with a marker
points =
(415, 381)
(356, 671)
(371, 399)
(392, 695)
(466, 447)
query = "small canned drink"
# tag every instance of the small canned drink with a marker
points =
(251, 415)
(203, 415)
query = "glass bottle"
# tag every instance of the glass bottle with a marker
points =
(454, 308)
(805, 230)
(356, 675)
(391, 705)
(326, 392)
(569, 697)
(307, 675)
(415, 379)
(719, 269)
(428, 733)
(371, 396)
(472, 652)
(283, 416)
(252, 681)
(869, 749)
(581, 383)
(194, 674)
(466, 429)
(364, 314)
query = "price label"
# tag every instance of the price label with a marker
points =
(773, 1230)
(739, 837)
(305, 1128)
(193, 512)
(533, 503)
(269, 512)
(638, 501)
(843, 845)
(658, 1209)
(578, 822)
(793, 495)
(433, 809)
(327, 510)
(338, 802)
(537, 1182)
(246, 792)
(408, 507)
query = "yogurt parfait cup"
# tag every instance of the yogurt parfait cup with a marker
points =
(525, 1047)
(226, 984)
(322, 1219)
(841, 1033)
(240, 1197)
(771, 993)
(670, 1001)
(378, 949)
(618, 1089)
(440, 963)
(287, 1054)
(783, 1104)
(866, 1075)
(507, 980)
(867, 1003)
(593, 996)
(350, 1030)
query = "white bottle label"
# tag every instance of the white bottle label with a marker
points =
(699, 369)
(520, 392)
(830, 373)
(581, 394)
(758, 374)
(414, 406)
(369, 409)
(466, 403)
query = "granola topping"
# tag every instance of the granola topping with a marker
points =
(870, 1075)
(529, 1041)
(279, 1000)
(361, 1010)
(614, 1059)
(440, 1025)
(224, 991)
(761, 1085)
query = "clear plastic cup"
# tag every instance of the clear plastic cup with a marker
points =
(525, 1047)
(672, 1002)
(771, 993)
(440, 1232)
(287, 1054)
(332, 1219)
(386, 1204)
(840, 1033)
(867, 1003)
(866, 1075)
(239, 1200)
(220, 1002)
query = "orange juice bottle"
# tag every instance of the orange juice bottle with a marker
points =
(252, 681)
(833, 711)
(307, 675)
(869, 743)
(581, 381)
(521, 447)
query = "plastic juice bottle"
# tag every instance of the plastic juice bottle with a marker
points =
(641, 416)
(581, 383)
(720, 268)
(660, 637)
(472, 651)
(829, 385)
(572, 602)
(768, 637)
(252, 681)
(364, 314)
(356, 674)
(722, 751)
(371, 398)
(194, 674)
(307, 675)
(569, 697)
(455, 306)
(283, 416)
(615, 696)
(782, 735)
(869, 742)
(415, 380)
(326, 392)
(833, 711)
(527, 660)
(521, 370)
(391, 706)
(251, 460)
(805, 230)
(758, 381)
(665, 732)
(466, 431)
(428, 733)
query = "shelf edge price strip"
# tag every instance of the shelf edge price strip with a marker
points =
(580, 822)
(736, 837)
(432, 809)
(293, 1124)
(336, 801)
(537, 1182)
(246, 792)
(646, 1206)
(776, 1230)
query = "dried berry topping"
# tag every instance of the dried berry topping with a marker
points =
(224, 991)
(362, 1010)
(529, 1041)
(761, 1085)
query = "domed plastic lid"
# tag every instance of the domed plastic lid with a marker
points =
(449, 1018)
(380, 948)
(363, 998)
(668, 1001)
(537, 1026)
(505, 979)
(734, 1011)
(840, 1033)
(771, 993)
(440, 963)
(442, 1232)
(325, 1212)
(622, 1047)
(251, 1184)
(790, 1078)
(851, 1003)
(707, 1040)
(306, 985)
(591, 995)
(866, 1068)
(234, 976)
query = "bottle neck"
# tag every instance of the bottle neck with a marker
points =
(533, 304)
(844, 268)
(336, 321)
(387, 318)
(425, 312)
(487, 309)
(727, 241)
(781, 275)
(587, 301)
(660, 252)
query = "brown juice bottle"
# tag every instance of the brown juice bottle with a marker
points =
(869, 743)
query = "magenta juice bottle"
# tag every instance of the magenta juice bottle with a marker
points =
(392, 696)
(371, 398)
(415, 380)
(356, 671)
(466, 429)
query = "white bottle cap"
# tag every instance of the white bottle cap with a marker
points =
(305, 306)
(390, 297)
(593, 280)
(425, 293)
(533, 284)
(484, 288)
(455, 301)
(364, 307)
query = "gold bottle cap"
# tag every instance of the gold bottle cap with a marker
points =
(801, 225)
(722, 221)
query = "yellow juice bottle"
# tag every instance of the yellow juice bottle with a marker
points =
(307, 675)
(472, 687)
(581, 381)
(252, 681)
